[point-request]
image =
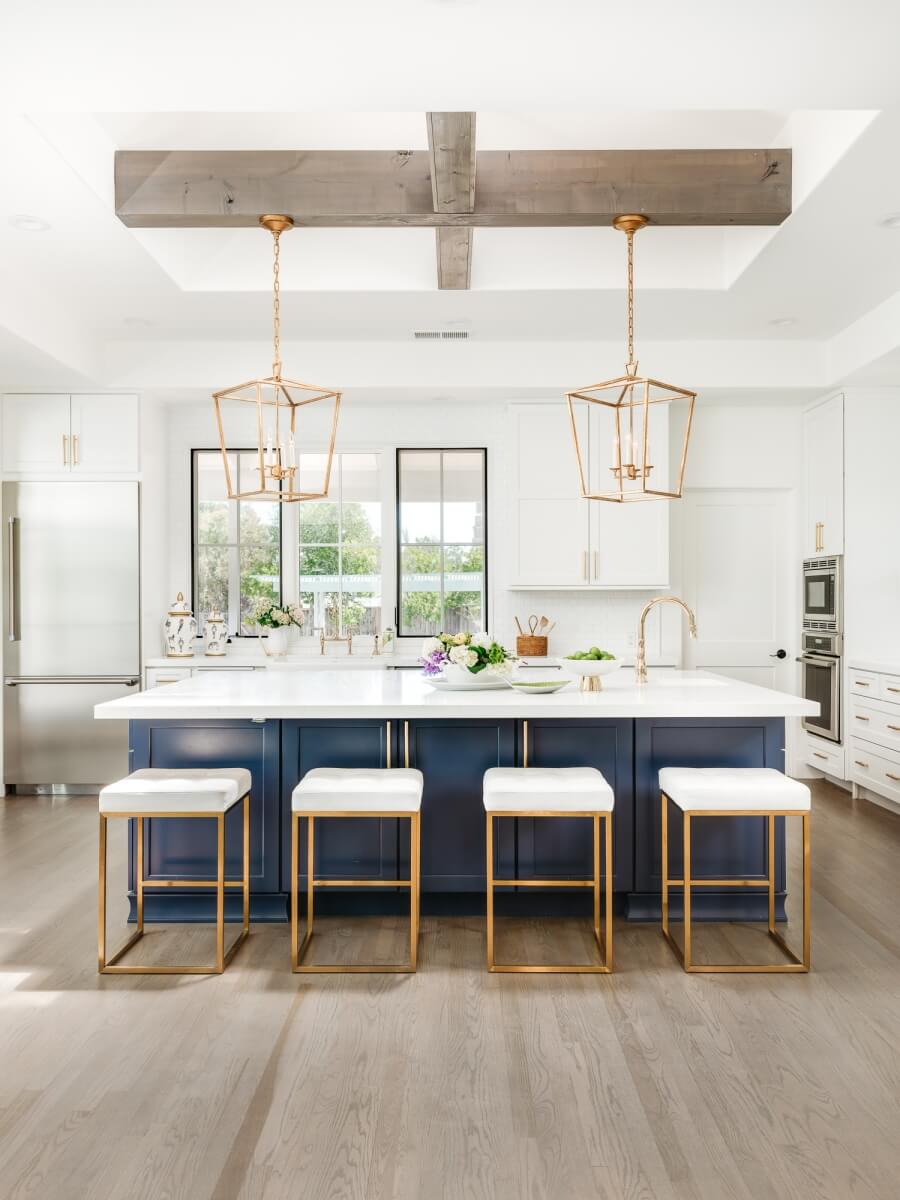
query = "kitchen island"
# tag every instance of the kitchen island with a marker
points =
(281, 724)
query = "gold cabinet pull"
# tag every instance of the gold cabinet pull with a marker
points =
(65, 449)
(890, 689)
(861, 683)
(896, 778)
(894, 728)
(860, 764)
(820, 535)
(387, 726)
(74, 449)
(859, 718)
(818, 755)
(406, 743)
(524, 743)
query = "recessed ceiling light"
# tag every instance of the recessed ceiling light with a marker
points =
(29, 224)
(891, 222)
(781, 322)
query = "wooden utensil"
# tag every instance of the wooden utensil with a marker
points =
(519, 627)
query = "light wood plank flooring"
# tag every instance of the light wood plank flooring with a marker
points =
(450, 1084)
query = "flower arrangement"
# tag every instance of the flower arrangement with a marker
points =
(276, 616)
(474, 651)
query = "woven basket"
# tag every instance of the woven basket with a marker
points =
(529, 646)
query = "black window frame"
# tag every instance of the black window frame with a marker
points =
(483, 451)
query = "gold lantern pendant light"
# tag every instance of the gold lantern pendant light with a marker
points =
(282, 414)
(632, 399)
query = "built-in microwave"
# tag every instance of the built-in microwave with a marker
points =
(822, 594)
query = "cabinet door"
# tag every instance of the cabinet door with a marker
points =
(36, 433)
(823, 444)
(629, 542)
(453, 755)
(551, 521)
(186, 848)
(561, 847)
(357, 848)
(104, 434)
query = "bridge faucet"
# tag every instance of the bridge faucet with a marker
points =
(640, 666)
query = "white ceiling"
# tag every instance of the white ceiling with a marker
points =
(148, 308)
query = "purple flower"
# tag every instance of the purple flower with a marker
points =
(433, 664)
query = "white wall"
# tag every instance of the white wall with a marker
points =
(730, 447)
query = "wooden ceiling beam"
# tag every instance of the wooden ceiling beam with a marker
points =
(451, 145)
(371, 188)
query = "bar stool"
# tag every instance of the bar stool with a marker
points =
(335, 792)
(193, 793)
(552, 792)
(733, 792)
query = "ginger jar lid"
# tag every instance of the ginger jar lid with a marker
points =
(180, 607)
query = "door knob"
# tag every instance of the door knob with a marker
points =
(779, 654)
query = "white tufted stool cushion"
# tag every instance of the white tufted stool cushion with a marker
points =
(342, 789)
(542, 789)
(745, 789)
(195, 789)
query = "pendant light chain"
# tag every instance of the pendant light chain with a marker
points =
(631, 367)
(276, 304)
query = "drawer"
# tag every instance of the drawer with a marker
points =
(157, 676)
(876, 721)
(864, 683)
(875, 768)
(825, 756)
(889, 688)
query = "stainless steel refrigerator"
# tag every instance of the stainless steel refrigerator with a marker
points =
(71, 620)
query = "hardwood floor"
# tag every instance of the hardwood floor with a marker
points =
(450, 1084)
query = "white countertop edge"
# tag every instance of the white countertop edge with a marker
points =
(877, 668)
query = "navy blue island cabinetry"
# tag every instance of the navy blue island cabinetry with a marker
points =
(453, 753)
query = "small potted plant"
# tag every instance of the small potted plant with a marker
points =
(464, 654)
(276, 620)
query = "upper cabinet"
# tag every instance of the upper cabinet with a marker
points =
(823, 451)
(62, 434)
(559, 539)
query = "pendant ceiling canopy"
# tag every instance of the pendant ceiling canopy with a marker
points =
(635, 412)
(283, 417)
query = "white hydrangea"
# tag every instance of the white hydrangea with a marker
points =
(463, 656)
(484, 640)
(431, 646)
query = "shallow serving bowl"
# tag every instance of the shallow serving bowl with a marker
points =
(590, 670)
(539, 687)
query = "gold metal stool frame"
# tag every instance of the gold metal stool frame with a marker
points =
(795, 965)
(604, 940)
(298, 949)
(223, 957)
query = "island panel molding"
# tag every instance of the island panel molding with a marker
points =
(521, 188)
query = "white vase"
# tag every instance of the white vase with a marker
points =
(454, 673)
(276, 642)
(180, 629)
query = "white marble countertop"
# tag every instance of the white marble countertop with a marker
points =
(405, 694)
(877, 668)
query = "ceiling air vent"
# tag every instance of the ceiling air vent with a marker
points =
(440, 335)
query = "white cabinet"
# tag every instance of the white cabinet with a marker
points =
(158, 676)
(62, 434)
(559, 539)
(551, 522)
(36, 433)
(823, 449)
(874, 728)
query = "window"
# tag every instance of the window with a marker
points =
(237, 544)
(339, 544)
(441, 541)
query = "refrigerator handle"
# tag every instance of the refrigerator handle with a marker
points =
(11, 580)
(122, 680)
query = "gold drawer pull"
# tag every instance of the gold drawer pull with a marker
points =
(860, 764)
(895, 728)
(862, 683)
(859, 718)
(891, 689)
(896, 778)
(816, 754)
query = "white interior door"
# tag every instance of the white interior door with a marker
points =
(737, 576)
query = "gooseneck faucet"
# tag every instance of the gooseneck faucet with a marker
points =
(640, 666)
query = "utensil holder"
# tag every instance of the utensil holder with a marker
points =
(530, 646)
